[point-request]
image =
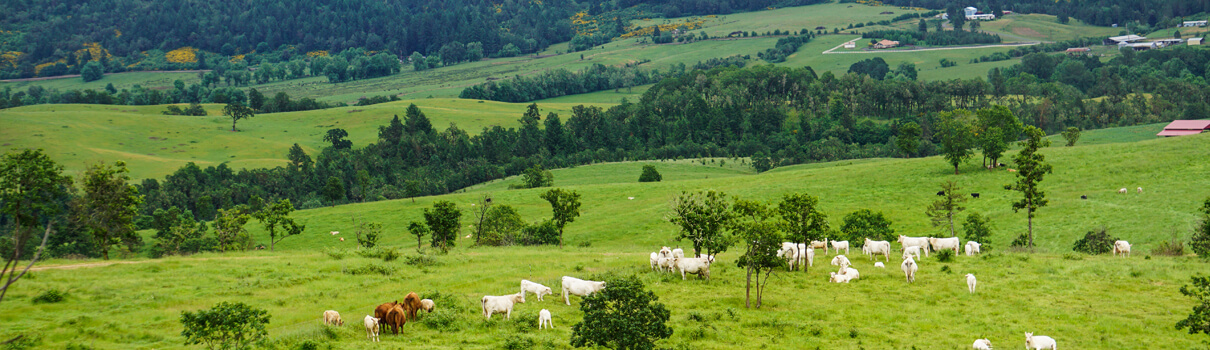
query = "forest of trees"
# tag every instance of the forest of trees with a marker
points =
(934, 38)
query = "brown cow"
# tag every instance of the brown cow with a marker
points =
(411, 304)
(380, 312)
(395, 319)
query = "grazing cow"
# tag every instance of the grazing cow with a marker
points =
(335, 233)
(698, 266)
(974, 195)
(500, 304)
(537, 289)
(820, 245)
(972, 248)
(395, 319)
(922, 242)
(371, 328)
(332, 318)
(427, 305)
(913, 250)
(1140, 189)
(909, 269)
(544, 319)
(842, 261)
(677, 253)
(982, 344)
(380, 312)
(411, 304)
(877, 247)
(879, 265)
(655, 260)
(1122, 191)
(940, 193)
(1040, 342)
(970, 282)
(1122, 247)
(838, 245)
(1083, 196)
(576, 286)
(951, 243)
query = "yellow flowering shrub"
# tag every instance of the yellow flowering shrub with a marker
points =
(186, 54)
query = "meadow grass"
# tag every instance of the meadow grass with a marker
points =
(154, 145)
(1079, 300)
(126, 80)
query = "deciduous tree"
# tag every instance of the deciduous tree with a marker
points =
(236, 112)
(109, 206)
(444, 221)
(277, 221)
(624, 315)
(32, 186)
(758, 229)
(226, 326)
(565, 207)
(802, 218)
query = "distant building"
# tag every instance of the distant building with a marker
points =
(1118, 40)
(850, 45)
(970, 11)
(886, 44)
(1194, 41)
(1078, 51)
(1185, 127)
(1140, 46)
(982, 17)
(1193, 24)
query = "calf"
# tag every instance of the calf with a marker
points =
(909, 269)
(838, 245)
(878, 247)
(951, 243)
(974, 195)
(970, 282)
(982, 344)
(332, 318)
(1121, 247)
(842, 261)
(537, 289)
(371, 328)
(500, 304)
(1040, 342)
(972, 248)
(544, 319)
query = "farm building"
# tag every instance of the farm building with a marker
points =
(886, 44)
(1140, 46)
(1077, 50)
(1185, 127)
(1194, 41)
(850, 45)
(970, 11)
(1116, 40)
(1193, 24)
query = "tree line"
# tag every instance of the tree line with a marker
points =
(1152, 13)
(934, 38)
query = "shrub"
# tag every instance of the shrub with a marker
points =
(650, 174)
(543, 232)
(335, 253)
(422, 260)
(945, 255)
(1198, 320)
(225, 326)
(441, 319)
(535, 177)
(945, 62)
(386, 254)
(50, 297)
(624, 315)
(1095, 242)
(368, 269)
(1072, 256)
(501, 226)
(1200, 243)
(1020, 242)
(978, 228)
(865, 223)
(518, 342)
(1172, 247)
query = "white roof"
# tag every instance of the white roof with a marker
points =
(971, 8)
(1126, 38)
(1202, 21)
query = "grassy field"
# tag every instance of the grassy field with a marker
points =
(154, 145)
(150, 80)
(1076, 299)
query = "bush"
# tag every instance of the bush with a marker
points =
(865, 223)
(978, 228)
(1198, 320)
(535, 177)
(1172, 247)
(422, 260)
(945, 63)
(544, 232)
(50, 297)
(1200, 243)
(225, 326)
(650, 174)
(1020, 242)
(441, 319)
(386, 254)
(622, 316)
(1095, 242)
(502, 225)
(369, 269)
(335, 253)
(945, 255)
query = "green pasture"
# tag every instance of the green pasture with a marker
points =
(154, 145)
(127, 80)
(1076, 299)
(928, 63)
(1039, 27)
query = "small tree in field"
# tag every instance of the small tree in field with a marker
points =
(277, 220)
(802, 219)
(1200, 244)
(367, 233)
(234, 326)
(535, 177)
(650, 174)
(419, 230)
(761, 235)
(703, 217)
(444, 221)
(236, 112)
(865, 223)
(1031, 167)
(978, 228)
(1072, 134)
(1198, 320)
(624, 315)
(944, 209)
(564, 206)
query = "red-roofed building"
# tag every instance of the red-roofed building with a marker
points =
(1185, 127)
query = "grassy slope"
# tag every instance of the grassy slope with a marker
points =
(78, 134)
(1076, 301)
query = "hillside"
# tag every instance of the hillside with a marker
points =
(1071, 298)
(155, 145)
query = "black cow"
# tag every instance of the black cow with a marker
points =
(1083, 196)
(975, 195)
(940, 193)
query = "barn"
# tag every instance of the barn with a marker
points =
(1185, 127)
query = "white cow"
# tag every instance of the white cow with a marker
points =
(912, 250)
(970, 282)
(972, 248)
(982, 344)
(537, 289)
(1039, 342)
(576, 286)
(879, 265)
(841, 261)
(789, 253)
(1122, 247)
(915, 241)
(849, 271)
(1140, 189)
(371, 328)
(332, 318)
(1122, 191)
(427, 305)
(500, 304)
(820, 245)
(655, 260)
(940, 244)
(838, 245)
(678, 253)
(838, 278)
(699, 266)
(909, 269)
(806, 256)
(877, 247)
(544, 319)
(666, 252)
